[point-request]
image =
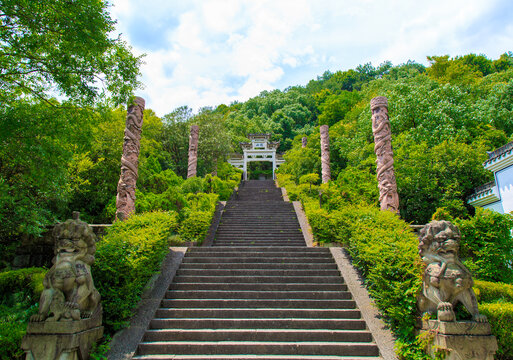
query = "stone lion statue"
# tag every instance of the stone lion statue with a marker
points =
(446, 281)
(69, 292)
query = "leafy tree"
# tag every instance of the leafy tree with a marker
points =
(487, 245)
(36, 144)
(428, 178)
(309, 179)
(334, 107)
(65, 46)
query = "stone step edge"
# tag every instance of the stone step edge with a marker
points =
(253, 356)
(219, 330)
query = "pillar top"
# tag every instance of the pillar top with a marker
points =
(379, 101)
(139, 101)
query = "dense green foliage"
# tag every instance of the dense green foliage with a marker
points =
(496, 302)
(64, 45)
(500, 316)
(487, 245)
(56, 157)
(126, 258)
(19, 294)
(384, 249)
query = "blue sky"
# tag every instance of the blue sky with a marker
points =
(209, 52)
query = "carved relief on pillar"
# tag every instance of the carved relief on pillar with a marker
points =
(125, 200)
(304, 141)
(193, 151)
(325, 154)
(388, 195)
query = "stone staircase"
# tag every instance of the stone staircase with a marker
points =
(258, 293)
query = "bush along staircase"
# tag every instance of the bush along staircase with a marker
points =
(258, 293)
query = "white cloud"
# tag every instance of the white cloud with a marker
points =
(217, 51)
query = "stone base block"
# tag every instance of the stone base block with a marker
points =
(461, 340)
(48, 341)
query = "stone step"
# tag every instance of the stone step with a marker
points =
(256, 313)
(242, 215)
(249, 259)
(251, 356)
(237, 294)
(300, 324)
(260, 243)
(256, 347)
(257, 233)
(263, 238)
(258, 293)
(258, 303)
(260, 279)
(243, 249)
(256, 272)
(257, 254)
(257, 287)
(285, 335)
(256, 265)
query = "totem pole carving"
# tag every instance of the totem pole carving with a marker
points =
(325, 154)
(304, 141)
(388, 196)
(125, 200)
(193, 151)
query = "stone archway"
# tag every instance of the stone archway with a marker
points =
(260, 148)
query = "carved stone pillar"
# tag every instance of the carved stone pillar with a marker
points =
(125, 200)
(325, 154)
(388, 196)
(193, 151)
(304, 141)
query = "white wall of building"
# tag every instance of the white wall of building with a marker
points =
(504, 181)
(496, 206)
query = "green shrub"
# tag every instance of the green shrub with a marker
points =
(500, 316)
(319, 220)
(129, 254)
(14, 280)
(193, 185)
(489, 292)
(202, 202)
(224, 188)
(384, 248)
(196, 225)
(159, 182)
(20, 291)
(487, 245)
(171, 199)
(226, 171)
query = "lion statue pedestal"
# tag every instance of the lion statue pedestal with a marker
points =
(447, 282)
(69, 320)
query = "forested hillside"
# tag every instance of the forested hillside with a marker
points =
(58, 157)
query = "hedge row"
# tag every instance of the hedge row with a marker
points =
(129, 254)
(496, 302)
(384, 248)
(19, 294)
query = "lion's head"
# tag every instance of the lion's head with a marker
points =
(74, 240)
(440, 239)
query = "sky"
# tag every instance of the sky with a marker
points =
(210, 52)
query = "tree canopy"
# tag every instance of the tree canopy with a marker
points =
(62, 46)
